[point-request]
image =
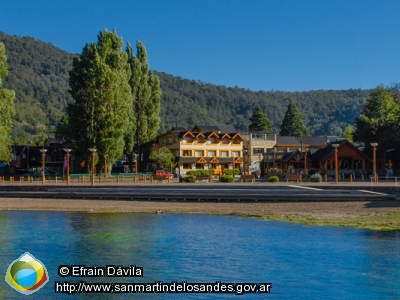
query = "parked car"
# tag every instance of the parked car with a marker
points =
(163, 174)
(256, 173)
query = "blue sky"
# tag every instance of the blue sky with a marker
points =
(257, 45)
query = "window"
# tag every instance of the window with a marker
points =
(176, 152)
(199, 166)
(258, 150)
(226, 141)
(211, 153)
(224, 153)
(236, 141)
(169, 141)
(258, 136)
(213, 140)
(186, 166)
(199, 153)
(235, 153)
(187, 153)
(188, 139)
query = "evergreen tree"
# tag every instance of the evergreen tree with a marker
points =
(260, 122)
(292, 124)
(6, 110)
(379, 120)
(349, 133)
(99, 85)
(145, 112)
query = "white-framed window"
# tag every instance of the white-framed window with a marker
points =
(199, 153)
(236, 153)
(188, 139)
(224, 153)
(211, 153)
(187, 152)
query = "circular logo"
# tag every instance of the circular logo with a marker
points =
(26, 274)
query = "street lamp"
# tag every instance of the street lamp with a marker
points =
(67, 151)
(135, 159)
(93, 150)
(336, 163)
(105, 166)
(375, 175)
(43, 151)
(305, 163)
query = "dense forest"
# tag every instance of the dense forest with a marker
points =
(38, 73)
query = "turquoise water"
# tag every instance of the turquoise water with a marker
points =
(301, 262)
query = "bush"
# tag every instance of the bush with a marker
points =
(316, 178)
(200, 172)
(227, 178)
(229, 172)
(189, 178)
(273, 179)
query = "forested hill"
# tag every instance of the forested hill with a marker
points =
(38, 73)
(192, 102)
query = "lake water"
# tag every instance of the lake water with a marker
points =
(301, 262)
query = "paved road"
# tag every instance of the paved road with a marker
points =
(203, 192)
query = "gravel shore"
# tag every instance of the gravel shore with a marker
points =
(317, 209)
(379, 215)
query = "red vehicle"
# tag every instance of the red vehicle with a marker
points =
(163, 174)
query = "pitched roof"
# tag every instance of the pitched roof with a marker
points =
(323, 153)
(313, 140)
(227, 128)
(286, 140)
(215, 128)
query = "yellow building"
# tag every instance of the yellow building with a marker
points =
(203, 147)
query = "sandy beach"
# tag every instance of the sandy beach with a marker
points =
(381, 215)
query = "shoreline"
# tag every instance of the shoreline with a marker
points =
(375, 215)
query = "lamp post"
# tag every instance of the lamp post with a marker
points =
(336, 163)
(105, 166)
(375, 175)
(233, 166)
(305, 163)
(93, 150)
(43, 151)
(274, 160)
(136, 164)
(67, 151)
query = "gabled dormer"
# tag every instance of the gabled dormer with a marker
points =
(188, 137)
(213, 138)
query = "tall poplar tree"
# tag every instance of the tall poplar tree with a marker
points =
(145, 112)
(6, 110)
(99, 85)
(259, 121)
(292, 124)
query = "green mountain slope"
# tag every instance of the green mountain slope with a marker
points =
(38, 73)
